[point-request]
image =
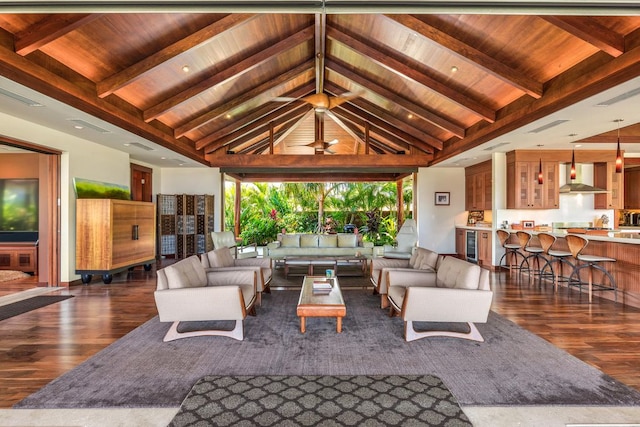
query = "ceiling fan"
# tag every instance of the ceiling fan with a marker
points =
(322, 101)
(320, 145)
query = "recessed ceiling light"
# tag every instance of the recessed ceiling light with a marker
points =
(78, 127)
(454, 69)
(578, 145)
(228, 116)
(126, 144)
(186, 68)
(410, 116)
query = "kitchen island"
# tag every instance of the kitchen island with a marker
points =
(623, 246)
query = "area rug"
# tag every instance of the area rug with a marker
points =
(7, 275)
(29, 304)
(512, 366)
(354, 400)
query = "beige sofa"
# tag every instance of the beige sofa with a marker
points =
(304, 244)
(422, 261)
(458, 292)
(185, 292)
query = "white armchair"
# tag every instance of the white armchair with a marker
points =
(406, 240)
(220, 260)
(227, 239)
(186, 293)
(458, 292)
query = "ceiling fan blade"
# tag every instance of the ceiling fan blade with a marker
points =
(341, 99)
(284, 99)
(326, 150)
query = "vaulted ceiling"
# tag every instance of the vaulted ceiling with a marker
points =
(303, 96)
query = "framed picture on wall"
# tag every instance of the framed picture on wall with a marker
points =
(442, 198)
(528, 225)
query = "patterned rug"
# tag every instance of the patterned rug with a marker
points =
(6, 275)
(347, 400)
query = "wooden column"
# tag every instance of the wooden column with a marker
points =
(236, 208)
(400, 203)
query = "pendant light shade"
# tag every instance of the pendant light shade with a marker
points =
(618, 152)
(540, 178)
(573, 165)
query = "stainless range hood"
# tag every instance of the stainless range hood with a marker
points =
(576, 186)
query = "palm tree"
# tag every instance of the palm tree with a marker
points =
(311, 195)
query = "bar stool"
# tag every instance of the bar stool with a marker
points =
(536, 253)
(576, 246)
(542, 254)
(560, 258)
(511, 251)
(524, 238)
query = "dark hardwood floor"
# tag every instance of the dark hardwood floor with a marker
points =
(38, 346)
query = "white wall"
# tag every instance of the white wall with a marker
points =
(436, 224)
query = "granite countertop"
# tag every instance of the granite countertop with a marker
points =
(474, 227)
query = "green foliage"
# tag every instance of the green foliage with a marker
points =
(267, 209)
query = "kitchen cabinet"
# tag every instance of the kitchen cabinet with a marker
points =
(523, 189)
(605, 176)
(461, 243)
(632, 188)
(19, 256)
(478, 187)
(484, 248)
(113, 235)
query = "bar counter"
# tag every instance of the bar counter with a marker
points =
(623, 246)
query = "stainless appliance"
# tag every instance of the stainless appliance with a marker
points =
(472, 246)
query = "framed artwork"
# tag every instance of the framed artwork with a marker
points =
(442, 198)
(528, 225)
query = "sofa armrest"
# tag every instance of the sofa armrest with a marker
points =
(367, 244)
(406, 277)
(195, 304)
(422, 304)
(273, 245)
(380, 263)
(232, 276)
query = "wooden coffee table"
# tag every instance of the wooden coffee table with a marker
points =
(313, 304)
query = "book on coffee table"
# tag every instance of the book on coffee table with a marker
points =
(322, 285)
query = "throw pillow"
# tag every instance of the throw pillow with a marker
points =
(429, 260)
(347, 241)
(418, 261)
(309, 241)
(328, 241)
(187, 273)
(220, 258)
(290, 241)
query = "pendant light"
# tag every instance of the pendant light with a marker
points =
(540, 178)
(618, 153)
(572, 172)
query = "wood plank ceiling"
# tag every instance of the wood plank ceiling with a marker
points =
(276, 96)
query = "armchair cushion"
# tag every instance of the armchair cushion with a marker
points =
(220, 258)
(308, 240)
(187, 273)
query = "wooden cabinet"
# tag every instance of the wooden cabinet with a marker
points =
(484, 239)
(113, 235)
(632, 188)
(461, 243)
(523, 189)
(185, 223)
(605, 176)
(19, 256)
(478, 187)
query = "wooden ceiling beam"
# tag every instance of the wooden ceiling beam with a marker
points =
(355, 127)
(408, 68)
(356, 115)
(375, 111)
(337, 163)
(379, 146)
(252, 116)
(318, 177)
(278, 118)
(232, 71)
(49, 29)
(220, 110)
(134, 72)
(423, 26)
(410, 106)
(575, 85)
(589, 30)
